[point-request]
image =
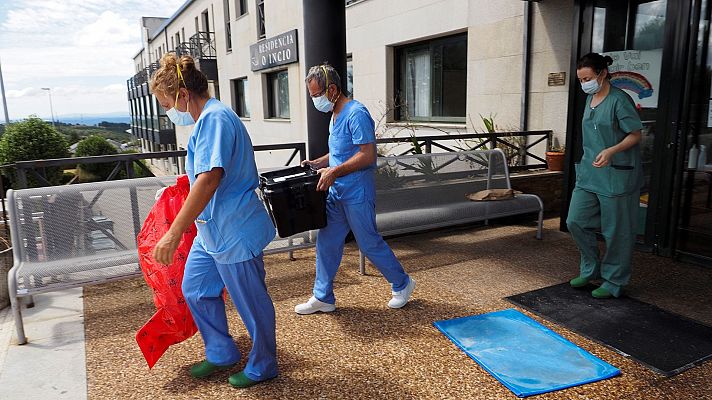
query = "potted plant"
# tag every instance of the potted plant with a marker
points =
(555, 157)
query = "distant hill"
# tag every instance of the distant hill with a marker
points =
(93, 119)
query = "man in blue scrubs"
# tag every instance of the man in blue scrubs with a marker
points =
(233, 226)
(347, 172)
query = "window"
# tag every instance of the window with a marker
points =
(241, 7)
(228, 34)
(206, 21)
(241, 99)
(177, 40)
(278, 94)
(261, 32)
(350, 75)
(431, 85)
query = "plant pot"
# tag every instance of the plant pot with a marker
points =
(555, 161)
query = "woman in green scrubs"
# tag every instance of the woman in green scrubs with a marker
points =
(608, 180)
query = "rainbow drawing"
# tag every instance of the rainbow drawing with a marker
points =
(633, 82)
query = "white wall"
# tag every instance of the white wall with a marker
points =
(551, 52)
(280, 16)
(374, 29)
(495, 49)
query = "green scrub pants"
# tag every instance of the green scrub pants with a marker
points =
(616, 218)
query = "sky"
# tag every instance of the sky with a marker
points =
(81, 49)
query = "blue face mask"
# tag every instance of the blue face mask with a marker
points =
(323, 104)
(182, 118)
(591, 87)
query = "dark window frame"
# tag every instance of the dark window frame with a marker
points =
(261, 29)
(238, 89)
(228, 30)
(241, 6)
(436, 84)
(272, 103)
(350, 74)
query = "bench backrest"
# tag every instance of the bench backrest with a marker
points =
(72, 221)
(411, 181)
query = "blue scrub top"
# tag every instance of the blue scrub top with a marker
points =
(605, 126)
(353, 127)
(234, 226)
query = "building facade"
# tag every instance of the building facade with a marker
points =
(436, 67)
(387, 68)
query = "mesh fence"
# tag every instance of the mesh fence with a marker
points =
(415, 181)
(80, 233)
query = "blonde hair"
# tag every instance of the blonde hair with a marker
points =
(167, 81)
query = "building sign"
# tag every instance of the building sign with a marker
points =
(637, 72)
(275, 51)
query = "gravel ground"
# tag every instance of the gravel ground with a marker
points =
(366, 351)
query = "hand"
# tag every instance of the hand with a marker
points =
(165, 248)
(603, 158)
(313, 163)
(328, 176)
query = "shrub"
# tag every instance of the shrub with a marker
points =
(95, 146)
(33, 139)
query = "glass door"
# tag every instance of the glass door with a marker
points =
(694, 222)
(633, 33)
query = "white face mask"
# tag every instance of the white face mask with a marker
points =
(323, 104)
(592, 86)
(182, 118)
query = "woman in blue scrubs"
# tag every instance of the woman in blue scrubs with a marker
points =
(608, 180)
(233, 226)
(347, 172)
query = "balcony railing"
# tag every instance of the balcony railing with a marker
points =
(200, 46)
(184, 49)
(141, 77)
(203, 45)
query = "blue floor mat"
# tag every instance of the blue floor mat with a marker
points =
(525, 356)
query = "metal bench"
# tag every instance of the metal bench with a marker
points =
(78, 235)
(417, 193)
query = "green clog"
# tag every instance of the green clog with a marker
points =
(579, 282)
(240, 380)
(602, 293)
(205, 368)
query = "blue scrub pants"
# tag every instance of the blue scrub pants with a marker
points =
(203, 283)
(616, 217)
(361, 220)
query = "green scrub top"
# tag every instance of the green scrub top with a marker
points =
(604, 126)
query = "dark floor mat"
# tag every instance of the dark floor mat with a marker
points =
(665, 342)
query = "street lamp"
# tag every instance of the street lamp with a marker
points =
(50, 104)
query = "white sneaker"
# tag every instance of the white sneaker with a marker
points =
(400, 298)
(313, 305)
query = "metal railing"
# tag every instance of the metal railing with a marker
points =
(517, 146)
(184, 49)
(122, 162)
(141, 77)
(203, 45)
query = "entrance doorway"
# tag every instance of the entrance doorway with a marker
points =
(662, 59)
(694, 222)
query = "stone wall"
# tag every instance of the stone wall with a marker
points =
(548, 185)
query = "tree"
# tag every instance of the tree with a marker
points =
(95, 146)
(33, 139)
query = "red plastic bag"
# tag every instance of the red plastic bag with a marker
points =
(172, 322)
